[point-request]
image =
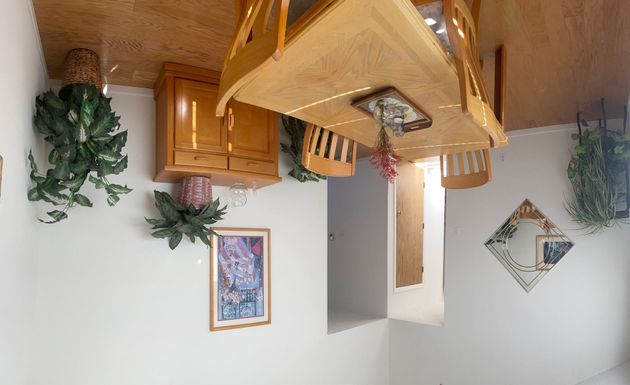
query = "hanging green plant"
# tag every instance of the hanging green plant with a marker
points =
(598, 172)
(296, 128)
(87, 145)
(179, 220)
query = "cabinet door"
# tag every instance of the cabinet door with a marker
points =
(196, 126)
(409, 224)
(252, 131)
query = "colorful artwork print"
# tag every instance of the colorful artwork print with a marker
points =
(241, 279)
(239, 271)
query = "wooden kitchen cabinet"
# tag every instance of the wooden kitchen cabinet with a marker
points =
(240, 147)
(196, 127)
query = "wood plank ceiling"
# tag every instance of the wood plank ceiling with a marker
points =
(563, 55)
(134, 37)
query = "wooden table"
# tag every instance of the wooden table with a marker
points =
(342, 50)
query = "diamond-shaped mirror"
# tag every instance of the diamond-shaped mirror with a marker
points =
(528, 245)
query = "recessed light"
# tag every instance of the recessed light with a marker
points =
(430, 21)
(441, 30)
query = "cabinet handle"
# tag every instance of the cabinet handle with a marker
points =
(199, 157)
(231, 120)
(252, 164)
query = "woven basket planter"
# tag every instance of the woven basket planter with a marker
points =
(195, 190)
(81, 67)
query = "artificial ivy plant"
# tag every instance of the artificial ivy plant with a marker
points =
(179, 220)
(87, 145)
(296, 128)
(598, 172)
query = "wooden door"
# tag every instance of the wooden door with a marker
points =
(253, 131)
(196, 126)
(409, 224)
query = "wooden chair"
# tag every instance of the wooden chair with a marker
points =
(466, 169)
(322, 154)
(256, 42)
(462, 33)
(473, 167)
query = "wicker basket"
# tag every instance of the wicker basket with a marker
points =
(80, 67)
(195, 190)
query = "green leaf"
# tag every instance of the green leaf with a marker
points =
(104, 169)
(55, 198)
(121, 165)
(68, 153)
(83, 132)
(165, 233)
(61, 126)
(82, 200)
(102, 125)
(62, 170)
(72, 116)
(159, 223)
(119, 141)
(168, 211)
(31, 161)
(93, 147)
(54, 104)
(102, 139)
(112, 199)
(41, 126)
(80, 166)
(56, 215)
(580, 149)
(33, 194)
(108, 156)
(203, 237)
(193, 220)
(75, 183)
(86, 115)
(118, 189)
(98, 182)
(53, 157)
(175, 239)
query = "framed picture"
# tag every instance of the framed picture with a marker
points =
(550, 249)
(240, 292)
(414, 117)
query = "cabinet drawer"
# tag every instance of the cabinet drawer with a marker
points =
(255, 166)
(183, 158)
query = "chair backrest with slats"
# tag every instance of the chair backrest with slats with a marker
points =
(466, 169)
(328, 153)
(259, 39)
(462, 34)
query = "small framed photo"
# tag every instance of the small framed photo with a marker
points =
(240, 290)
(414, 117)
(550, 249)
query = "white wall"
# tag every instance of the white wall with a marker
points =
(22, 76)
(116, 306)
(357, 257)
(619, 375)
(422, 303)
(574, 324)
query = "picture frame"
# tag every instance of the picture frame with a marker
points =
(550, 249)
(415, 118)
(240, 278)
